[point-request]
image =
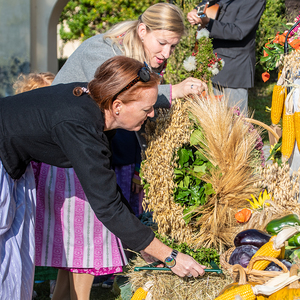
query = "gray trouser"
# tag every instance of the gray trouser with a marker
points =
(236, 97)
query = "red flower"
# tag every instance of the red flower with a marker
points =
(265, 76)
(295, 44)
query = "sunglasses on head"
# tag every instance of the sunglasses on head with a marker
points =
(143, 75)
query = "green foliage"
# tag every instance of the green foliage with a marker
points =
(202, 255)
(259, 98)
(272, 21)
(202, 63)
(276, 154)
(275, 53)
(175, 73)
(85, 18)
(191, 191)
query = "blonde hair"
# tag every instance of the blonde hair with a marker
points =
(32, 81)
(160, 16)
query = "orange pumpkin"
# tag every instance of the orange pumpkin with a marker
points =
(243, 215)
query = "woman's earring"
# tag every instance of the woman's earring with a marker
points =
(117, 112)
(142, 40)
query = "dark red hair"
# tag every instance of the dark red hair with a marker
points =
(112, 76)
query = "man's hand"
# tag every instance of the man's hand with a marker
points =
(193, 18)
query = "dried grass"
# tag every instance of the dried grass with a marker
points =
(168, 286)
(172, 130)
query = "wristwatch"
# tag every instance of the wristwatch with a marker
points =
(170, 261)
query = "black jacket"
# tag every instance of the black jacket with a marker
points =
(233, 36)
(53, 126)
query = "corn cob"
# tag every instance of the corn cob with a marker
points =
(288, 135)
(139, 294)
(266, 250)
(142, 292)
(273, 247)
(251, 292)
(297, 128)
(278, 97)
(244, 291)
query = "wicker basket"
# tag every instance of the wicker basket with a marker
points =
(271, 130)
(260, 277)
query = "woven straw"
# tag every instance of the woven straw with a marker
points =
(259, 277)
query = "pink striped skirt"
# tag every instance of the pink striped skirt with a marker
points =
(68, 234)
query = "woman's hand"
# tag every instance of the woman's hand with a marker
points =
(185, 264)
(187, 87)
(149, 259)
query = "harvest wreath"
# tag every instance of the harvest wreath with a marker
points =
(200, 167)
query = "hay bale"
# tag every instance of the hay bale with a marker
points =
(168, 286)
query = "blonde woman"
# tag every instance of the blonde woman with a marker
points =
(152, 38)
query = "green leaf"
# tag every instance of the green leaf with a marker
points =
(186, 181)
(200, 156)
(199, 169)
(146, 188)
(266, 58)
(279, 48)
(199, 162)
(209, 189)
(183, 156)
(187, 214)
(183, 194)
(196, 136)
(268, 51)
(178, 171)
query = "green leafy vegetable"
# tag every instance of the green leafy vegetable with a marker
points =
(191, 191)
(202, 256)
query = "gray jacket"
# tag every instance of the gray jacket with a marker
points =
(82, 64)
(233, 36)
